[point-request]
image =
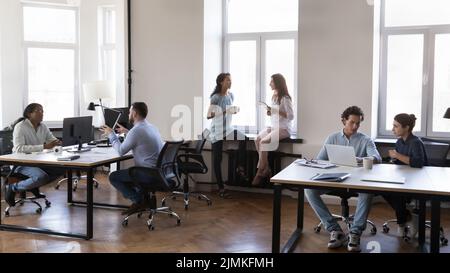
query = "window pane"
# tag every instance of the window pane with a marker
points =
(49, 25)
(243, 76)
(417, 12)
(280, 58)
(110, 26)
(51, 80)
(441, 83)
(109, 65)
(262, 15)
(404, 77)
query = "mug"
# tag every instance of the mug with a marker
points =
(58, 150)
(368, 163)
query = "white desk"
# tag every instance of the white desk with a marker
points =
(428, 183)
(88, 161)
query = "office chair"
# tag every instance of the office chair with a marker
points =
(75, 180)
(436, 151)
(9, 176)
(345, 214)
(187, 167)
(163, 177)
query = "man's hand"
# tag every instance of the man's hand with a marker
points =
(393, 154)
(52, 144)
(121, 130)
(106, 130)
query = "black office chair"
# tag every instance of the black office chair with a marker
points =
(437, 151)
(189, 163)
(345, 214)
(9, 176)
(164, 177)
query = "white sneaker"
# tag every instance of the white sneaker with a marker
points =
(337, 239)
(354, 242)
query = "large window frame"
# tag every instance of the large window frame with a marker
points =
(262, 87)
(54, 45)
(429, 33)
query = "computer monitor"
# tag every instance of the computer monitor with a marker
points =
(123, 120)
(112, 116)
(77, 130)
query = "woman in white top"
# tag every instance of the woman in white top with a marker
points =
(281, 115)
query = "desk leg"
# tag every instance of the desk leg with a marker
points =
(422, 218)
(118, 165)
(90, 204)
(276, 218)
(435, 225)
(300, 208)
(69, 187)
(1, 211)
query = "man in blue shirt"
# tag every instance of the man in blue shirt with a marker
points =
(364, 147)
(145, 142)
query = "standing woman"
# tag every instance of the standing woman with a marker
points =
(221, 111)
(409, 150)
(282, 114)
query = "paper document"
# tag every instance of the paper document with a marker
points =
(381, 179)
(315, 163)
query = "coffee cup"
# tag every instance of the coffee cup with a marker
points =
(368, 163)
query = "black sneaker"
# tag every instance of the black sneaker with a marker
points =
(37, 193)
(224, 194)
(10, 197)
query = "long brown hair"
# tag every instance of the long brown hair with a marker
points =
(280, 85)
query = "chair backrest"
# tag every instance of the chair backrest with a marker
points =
(201, 141)
(6, 142)
(167, 159)
(437, 151)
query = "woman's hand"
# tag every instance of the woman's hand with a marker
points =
(393, 154)
(52, 144)
(269, 111)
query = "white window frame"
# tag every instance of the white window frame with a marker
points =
(49, 45)
(103, 45)
(429, 33)
(261, 87)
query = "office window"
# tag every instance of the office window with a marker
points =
(51, 49)
(258, 45)
(415, 65)
(107, 43)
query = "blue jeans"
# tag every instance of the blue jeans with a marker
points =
(319, 207)
(37, 177)
(122, 181)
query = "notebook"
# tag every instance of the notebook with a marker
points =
(335, 177)
(315, 163)
(381, 179)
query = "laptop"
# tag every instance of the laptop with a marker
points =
(342, 155)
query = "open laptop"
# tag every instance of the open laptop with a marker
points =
(342, 155)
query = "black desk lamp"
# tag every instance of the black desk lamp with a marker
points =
(447, 113)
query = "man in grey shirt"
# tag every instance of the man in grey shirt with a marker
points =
(145, 142)
(364, 147)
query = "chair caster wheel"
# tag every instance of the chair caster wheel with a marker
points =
(125, 223)
(178, 222)
(174, 198)
(7, 214)
(317, 229)
(151, 227)
(186, 207)
(209, 203)
(199, 197)
(74, 189)
(385, 229)
(406, 239)
(373, 231)
(21, 203)
(48, 204)
(163, 203)
(444, 241)
(38, 210)
(96, 185)
(57, 187)
(139, 215)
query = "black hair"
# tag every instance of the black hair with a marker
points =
(140, 108)
(352, 110)
(26, 113)
(219, 80)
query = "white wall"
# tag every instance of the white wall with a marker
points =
(167, 56)
(335, 67)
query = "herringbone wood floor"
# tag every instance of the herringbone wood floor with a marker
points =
(240, 224)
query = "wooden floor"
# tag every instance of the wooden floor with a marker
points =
(241, 224)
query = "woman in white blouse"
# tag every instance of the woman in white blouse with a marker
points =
(281, 115)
